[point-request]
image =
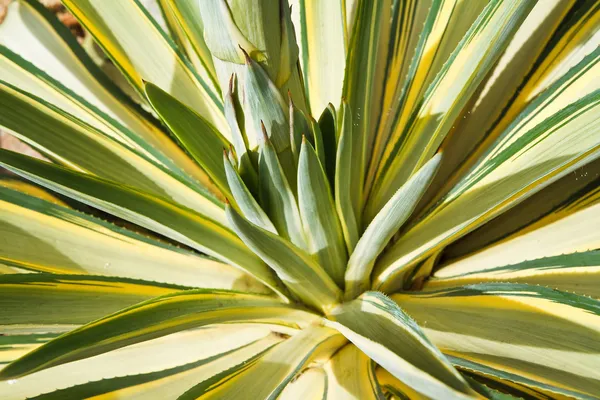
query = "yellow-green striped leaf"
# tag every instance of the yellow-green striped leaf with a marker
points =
(203, 142)
(384, 226)
(553, 136)
(71, 242)
(321, 36)
(312, 384)
(78, 86)
(407, 354)
(458, 79)
(499, 89)
(546, 336)
(143, 52)
(266, 376)
(344, 179)
(574, 272)
(45, 299)
(165, 367)
(351, 375)
(568, 259)
(155, 318)
(187, 30)
(159, 215)
(84, 148)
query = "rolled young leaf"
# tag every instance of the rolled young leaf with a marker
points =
(383, 227)
(323, 230)
(277, 196)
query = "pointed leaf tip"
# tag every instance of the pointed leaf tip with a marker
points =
(246, 55)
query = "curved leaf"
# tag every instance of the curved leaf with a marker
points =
(407, 354)
(351, 375)
(546, 336)
(71, 242)
(384, 226)
(143, 52)
(155, 318)
(165, 367)
(159, 215)
(266, 376)
(203, 142)
(45, 299)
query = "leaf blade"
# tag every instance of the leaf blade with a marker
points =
(301, 274)
(155, 318)
(319, 218)
(367, 321)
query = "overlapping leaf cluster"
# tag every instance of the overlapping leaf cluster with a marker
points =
(338, 199)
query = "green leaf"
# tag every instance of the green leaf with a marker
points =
(384, 226)
(181, 16)
(159, 215)
(327, 126)
(46, 299)
(447, 94)
(263, 104)
(277, 196)
(203, 142)
(82, 147)
(318, 141)
(143, 52)
(222, 35)
(554, 136)
(288, 56)
(320, 32)
(71, 242)
(266, 376)
(235, 118)
(344, 178)
(301, 274)
(299, 127)
(155, 318)
(544, 335)
(323, 230)
(186, 358)
(79, 87)
(244, 199)
(407, 354)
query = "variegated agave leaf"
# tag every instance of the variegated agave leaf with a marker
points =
(336, 199)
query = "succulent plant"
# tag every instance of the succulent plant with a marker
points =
(340, 199)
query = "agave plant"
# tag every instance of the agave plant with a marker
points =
(338, 199)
